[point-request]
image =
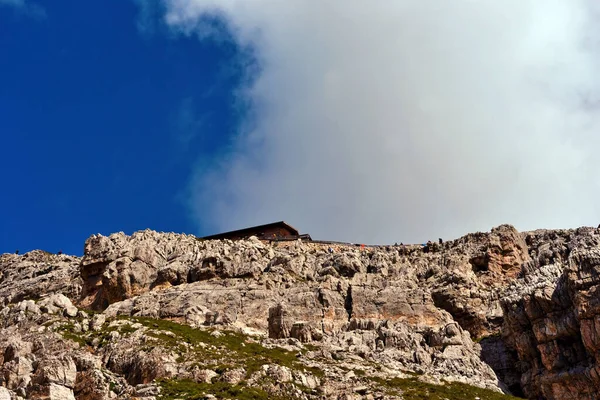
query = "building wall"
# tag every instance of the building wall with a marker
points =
(274, 232)
(270, 232)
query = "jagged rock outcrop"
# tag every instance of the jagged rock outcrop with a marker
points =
(460, 275)
(38, 273)
(553, 313)
(499, 310)
(298, 291)
(38, 363)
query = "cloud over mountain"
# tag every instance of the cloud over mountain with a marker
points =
(402, 121)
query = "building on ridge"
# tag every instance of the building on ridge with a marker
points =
(273, 231)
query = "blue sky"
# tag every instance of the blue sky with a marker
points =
(101, 124)
(366, 122)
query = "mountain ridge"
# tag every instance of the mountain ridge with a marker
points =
(502, 310)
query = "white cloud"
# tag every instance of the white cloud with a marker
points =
(25, 7)
(404, 121)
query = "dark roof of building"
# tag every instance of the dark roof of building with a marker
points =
(253, 230)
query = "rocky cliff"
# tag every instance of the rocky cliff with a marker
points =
(157, 315)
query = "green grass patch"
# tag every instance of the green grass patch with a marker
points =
(414, 389)
(67, 330)
(249, 354)
(311, 347)
(190, 390)
(68, 333)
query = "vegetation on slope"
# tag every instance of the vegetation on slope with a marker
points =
(224, 350)
(414, 389)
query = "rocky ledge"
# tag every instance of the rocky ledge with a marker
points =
(162, 315)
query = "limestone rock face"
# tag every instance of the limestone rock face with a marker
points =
(38, 273)
(56, 370)
(382, 298)
(58, 392)
(460, 276)
(499, 310)
(553, 313)
(4, 393)
(37, 362)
